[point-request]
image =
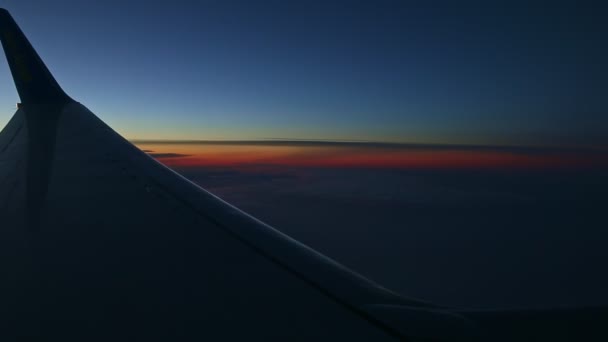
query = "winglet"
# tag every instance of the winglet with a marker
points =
(33, 80)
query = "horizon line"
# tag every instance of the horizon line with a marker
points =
(372, 143)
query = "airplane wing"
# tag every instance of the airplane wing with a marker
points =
(98, 241)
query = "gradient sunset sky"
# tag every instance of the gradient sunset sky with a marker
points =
(453, 72)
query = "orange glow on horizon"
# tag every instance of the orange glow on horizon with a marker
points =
(233, 155)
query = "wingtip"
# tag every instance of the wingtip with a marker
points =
(34, 82)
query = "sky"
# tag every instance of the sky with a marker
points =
(345, 155)
(516, 73)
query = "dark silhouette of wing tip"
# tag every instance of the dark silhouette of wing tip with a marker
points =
(34, 82)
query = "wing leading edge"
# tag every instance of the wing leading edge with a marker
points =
(99, 241)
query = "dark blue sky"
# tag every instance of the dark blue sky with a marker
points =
(453, 72)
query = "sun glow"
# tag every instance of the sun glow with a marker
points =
(232, 154)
